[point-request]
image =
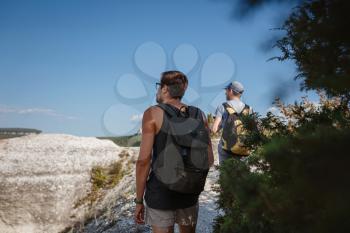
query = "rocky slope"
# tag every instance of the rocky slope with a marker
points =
(49, 183)
(43, 177)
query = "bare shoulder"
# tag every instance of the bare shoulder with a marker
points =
(152, 112)
(154, 115)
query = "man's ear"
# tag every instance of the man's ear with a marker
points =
(164, 89)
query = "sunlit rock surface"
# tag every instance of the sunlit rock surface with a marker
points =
(43, 176)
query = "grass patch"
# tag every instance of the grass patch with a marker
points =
(102, 179)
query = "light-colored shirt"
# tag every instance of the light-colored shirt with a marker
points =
(236, 104)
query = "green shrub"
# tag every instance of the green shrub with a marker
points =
(102, 178)
(297, 178)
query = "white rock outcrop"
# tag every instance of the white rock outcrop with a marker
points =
(43, 176)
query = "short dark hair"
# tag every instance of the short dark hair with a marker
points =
(176, 82)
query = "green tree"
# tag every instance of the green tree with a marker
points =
(318, 41)
(296, 179)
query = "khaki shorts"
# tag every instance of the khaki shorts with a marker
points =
(167, 218)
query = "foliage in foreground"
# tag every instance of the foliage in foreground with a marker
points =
(296, 180)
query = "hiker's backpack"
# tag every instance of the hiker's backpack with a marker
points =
(233, 132)
(183, 164)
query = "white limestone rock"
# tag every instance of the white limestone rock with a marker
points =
(43, 176)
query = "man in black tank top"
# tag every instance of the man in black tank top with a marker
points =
(157, 205)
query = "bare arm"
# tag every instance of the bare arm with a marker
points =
(143, 163)
(215, 127)
(210, 148)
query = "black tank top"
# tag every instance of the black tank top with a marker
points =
(157, 196)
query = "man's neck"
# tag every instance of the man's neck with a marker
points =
(172, 101)
(235, 98)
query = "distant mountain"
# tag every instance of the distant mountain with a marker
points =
(17, 132)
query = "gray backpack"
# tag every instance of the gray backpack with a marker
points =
(183, 164)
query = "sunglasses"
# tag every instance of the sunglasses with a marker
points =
(158, 85)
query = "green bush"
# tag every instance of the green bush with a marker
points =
(297, 178)
(102, 178)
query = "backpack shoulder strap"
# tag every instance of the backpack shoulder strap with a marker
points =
(246, 109)
(195, 112)
(173, 111)
(167, 109)
(229, 109)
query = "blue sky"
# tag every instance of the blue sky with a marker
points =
(88, 68)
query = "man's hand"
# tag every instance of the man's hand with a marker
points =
(210, 147)
(139, 215)
(216, 125)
